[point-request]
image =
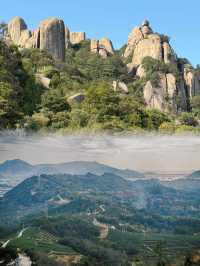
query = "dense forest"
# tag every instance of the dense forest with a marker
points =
(26, 103)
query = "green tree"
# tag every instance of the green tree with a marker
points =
(54, 101)
(188, 119)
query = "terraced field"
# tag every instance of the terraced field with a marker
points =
(39, 240)
(148, 245)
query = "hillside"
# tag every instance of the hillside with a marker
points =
(13, 172)
(55, 79)
(61, 218)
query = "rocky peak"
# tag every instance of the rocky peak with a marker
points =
(77, 37)
(16, 27)
(143, 42)
(145, 23)
(52, 37)
(103, 47)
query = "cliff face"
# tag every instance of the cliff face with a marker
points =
(103, 47)
(53, 36)
(142, 43)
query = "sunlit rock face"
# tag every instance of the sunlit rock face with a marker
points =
(52, 37)
(103, 47)
(16, 28)
(192, 81)
(163, 95)
(143, 42)
(77, 37)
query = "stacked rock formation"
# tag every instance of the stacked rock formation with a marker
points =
(51, 36)
(143, 42)
(17, 30)
(103, 47)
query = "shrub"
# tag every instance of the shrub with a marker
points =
(54, 101)
(79, 118)
(60, 120)
(37, 121)
(185, 129)
(155, 118)
(167, 127)
(188, 119)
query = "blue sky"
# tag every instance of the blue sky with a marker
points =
(180, 19)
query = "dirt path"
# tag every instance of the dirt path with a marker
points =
(104, 229)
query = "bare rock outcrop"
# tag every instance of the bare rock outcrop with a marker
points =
(134, 37)
(192, 81)
(78, 98)
(163, 96)
(103, 47)
(150, 46)
(143, 42)
(34, 40)
(169, 56)
(24, 38)
(52, 37)
(94, 46)
(77, 37)
(120, 87)
(16, 27)
(106, 44)
(43, 80)
(67, 38)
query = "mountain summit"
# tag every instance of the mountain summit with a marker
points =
(79, 83)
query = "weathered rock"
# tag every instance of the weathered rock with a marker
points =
(154, 95)
(77, 37)
(164, 96)
(107, 45)
(145, 23)
(146, 30)
(94, 46)
(43, 80)
(52, 37)
(120, 86)
(169, 56)
(131, 68)
(24, 38)
(103, 53)
(142, 42)
(192, 82)
(103, 47)
(15, 28)
(34, 40)
(67, 38)
(140, 72)
(79, 98)
(171, 85)
(134, 37)
(150, 46)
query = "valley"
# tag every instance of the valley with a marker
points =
(68, 218)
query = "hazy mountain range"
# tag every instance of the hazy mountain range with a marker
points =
(12, 172)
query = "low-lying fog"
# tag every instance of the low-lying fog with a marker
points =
(142, 153)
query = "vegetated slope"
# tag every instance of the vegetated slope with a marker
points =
(14, 172)
(60, 212)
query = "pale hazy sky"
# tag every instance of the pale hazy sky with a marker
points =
(150, 153)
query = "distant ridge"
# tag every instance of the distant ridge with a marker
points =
(15, 171)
